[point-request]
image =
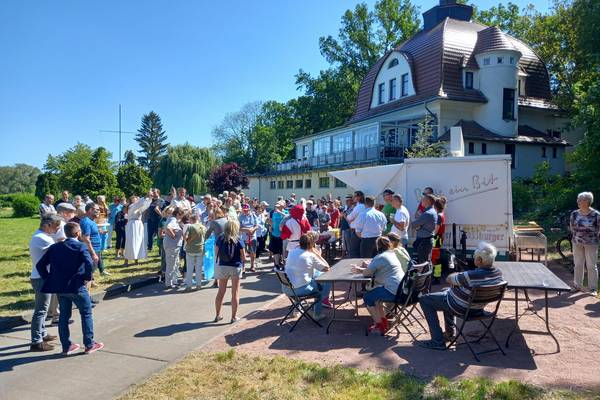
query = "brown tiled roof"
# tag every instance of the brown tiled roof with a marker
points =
(471, 130)
(491, 39)
(437, 58)
(537, 103)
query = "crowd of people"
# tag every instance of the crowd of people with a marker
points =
(241, 229)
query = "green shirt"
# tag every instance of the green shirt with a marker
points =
(196, 234)
(388, 210)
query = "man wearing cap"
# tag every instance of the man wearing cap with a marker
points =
(388, 209)
(248, 227)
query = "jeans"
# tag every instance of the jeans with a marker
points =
(195, 262)
(432, 303)
(100, 265)
(111, 228)
(585, 255)
(40, 310)
(152, 232)
(378, 294)
(353, 245)
(84, 304)
(346, 239)
(120, 243)
(313, 287)
(367, 247)
(423, 247)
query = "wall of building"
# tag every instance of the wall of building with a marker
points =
(386, 74)
(450, 112)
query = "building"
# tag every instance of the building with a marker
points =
(457, 72)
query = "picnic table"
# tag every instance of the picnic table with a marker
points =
(342, 273)
(525, 276)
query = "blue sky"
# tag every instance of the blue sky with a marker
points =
(66, 65)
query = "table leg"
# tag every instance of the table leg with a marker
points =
(516, 317)
(548, 321)
(333, 306)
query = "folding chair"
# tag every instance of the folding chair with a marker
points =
(299, 303)
(415, 282)
(481, 295)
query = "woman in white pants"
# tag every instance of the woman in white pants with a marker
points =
(585, 227)
(172, 246)
(135, 244)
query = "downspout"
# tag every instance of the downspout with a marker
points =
(435, 119)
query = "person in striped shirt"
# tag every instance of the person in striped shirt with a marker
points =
(455, 299)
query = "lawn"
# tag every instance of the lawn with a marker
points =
(16, 295)
(236, 376)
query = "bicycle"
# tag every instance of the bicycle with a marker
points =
(564, 244)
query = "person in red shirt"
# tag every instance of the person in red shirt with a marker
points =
(438, 238)
(334, 213)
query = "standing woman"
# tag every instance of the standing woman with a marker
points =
(135, 245)
(172, 242)
(585, 226)
(120, 223)
(102, 220)
(229, 251)
(113, 209)
(261, 234)
(194, 238)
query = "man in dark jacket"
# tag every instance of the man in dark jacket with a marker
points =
(70, 267)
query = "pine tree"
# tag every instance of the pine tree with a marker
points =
(152, 140)
(425, 144)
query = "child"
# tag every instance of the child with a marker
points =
(195, 235)
(119, 228)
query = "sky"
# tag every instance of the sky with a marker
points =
(65, 66)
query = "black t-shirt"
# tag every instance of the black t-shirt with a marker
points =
(230, 253)
(311, 215)
(152, 214)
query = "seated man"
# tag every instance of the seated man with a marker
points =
(454, 300)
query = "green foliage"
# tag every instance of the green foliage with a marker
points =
(68, 165)
(152, 140)
(18, 178)
(96, 177)
(425, 145)
(47, 183)
(229, 176)
(522, 197)
(25, 205)
(7, 199)
(180, 164)
(132, 178)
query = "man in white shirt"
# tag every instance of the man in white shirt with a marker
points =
(354, 240)
(180, 201)
(47, 206)
(401, 220)
(39, 244)
(369, 226)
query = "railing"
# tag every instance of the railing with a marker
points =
(356, 156)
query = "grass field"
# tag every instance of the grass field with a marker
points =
(236, 376)
(16, 295)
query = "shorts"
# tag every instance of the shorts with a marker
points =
(276, 245)
(251, 246)
(224, 272)
(378, 294)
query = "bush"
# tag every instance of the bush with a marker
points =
(522, 197)
(25, 205)
(6, 200)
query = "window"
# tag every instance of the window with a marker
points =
(471, 148)
(521, 86)
(543, 151)
(393, 63)
(299, 183)
(342, 142)
(512, 60)
(305, 151)
(339, 184)
(289, 184)
(324, 182)
(280, 185)
(392, 89)
(486, 61)
(508, 104)
(468, 80)
(500, 60)
(554, 152)
(273, 184)
(404, 85)
(366, 137)
(483, 148)
(308, 183)
(510, 149)
(381, 93)
(321, 146)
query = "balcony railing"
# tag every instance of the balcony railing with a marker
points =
(355, 156)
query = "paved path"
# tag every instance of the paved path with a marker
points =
(142, 332)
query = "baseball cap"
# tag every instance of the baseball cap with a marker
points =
(349, 196)
(66, 207)
(264, 203)
(245, 206)
(388, 191)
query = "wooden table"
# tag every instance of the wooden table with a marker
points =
(342, 272)
(531, 276)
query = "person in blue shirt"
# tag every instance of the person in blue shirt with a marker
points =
(90, 235)
(65, 269)
(248, 227)
(113, 210)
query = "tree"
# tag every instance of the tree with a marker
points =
(187, 166)
(228, 177)
(152, 140)
(18, 178)
(47, 183)
(97, 177)
(424, 144)
(68, 164)
(132, 178)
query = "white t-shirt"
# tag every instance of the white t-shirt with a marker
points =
(39, 244)
(353, 217)
(60, 235)
(294, 240)
(300, 266)
(402, 215)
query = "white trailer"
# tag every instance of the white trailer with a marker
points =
(478, 190)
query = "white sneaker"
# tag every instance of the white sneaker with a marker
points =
(317, 317)
(593, 293)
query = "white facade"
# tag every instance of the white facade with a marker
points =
(394, 80)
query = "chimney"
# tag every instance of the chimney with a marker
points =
(446, 8)
(457, 144)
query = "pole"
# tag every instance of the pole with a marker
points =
(120, 135)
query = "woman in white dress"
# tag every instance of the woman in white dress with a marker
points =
(135, 243)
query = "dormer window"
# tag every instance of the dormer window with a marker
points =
(500, 60)
(521, 86)
(381, 93)
(392, 89)
(468, 80)
(393, 63)
(404, 85)
(512, 60)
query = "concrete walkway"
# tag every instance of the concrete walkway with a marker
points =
(142, 331)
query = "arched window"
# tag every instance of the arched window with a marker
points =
(393, 63)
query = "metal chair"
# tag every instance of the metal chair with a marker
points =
(415, 282)
(299, 303)
(481, 296)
